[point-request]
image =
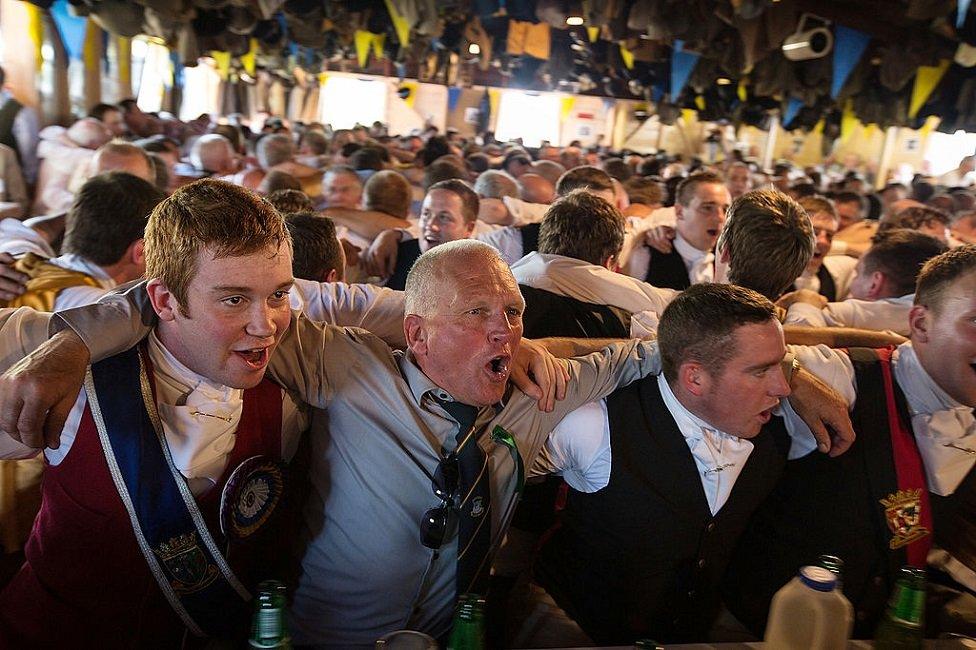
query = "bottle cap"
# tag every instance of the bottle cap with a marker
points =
(818, 578)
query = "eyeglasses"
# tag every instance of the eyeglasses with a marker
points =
(433, 527)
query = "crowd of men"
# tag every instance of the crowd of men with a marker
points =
(618, 396)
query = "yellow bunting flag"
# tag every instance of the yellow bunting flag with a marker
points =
(627, 56)
(700, 102)
(378, 41)
(35, 27)
(323, 78)
(818, 127)
(927, 78)
(494, 100)
(123, 53)
(247, 60)
(688, 114)
(848, 122)
(566, 107)
(222, 61)
(593, 33)
(363, 39)
(400, 24)
(90, 53)
(742, 91)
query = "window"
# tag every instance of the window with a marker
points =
(534, 117)
(944, 151)
(347, 101)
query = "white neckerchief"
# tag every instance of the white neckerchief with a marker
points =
(937, 419)
(199, 417)
(700, 264)
(807, 281)
(719, 456)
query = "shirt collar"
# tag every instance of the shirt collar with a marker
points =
(177, 377)
(74, 262)
(691, 425)
(923, 395)
(688, 252)
(423, 388)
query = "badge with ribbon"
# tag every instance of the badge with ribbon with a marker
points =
(250, 497)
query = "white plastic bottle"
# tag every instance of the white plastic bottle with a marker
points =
(809, 613)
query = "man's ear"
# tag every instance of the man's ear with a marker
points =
(877, 285)
(679, 211)
(415, 332)
(919, 323)
(723, 255)
(137, 252)
(163, 301)
(332, 276)
(693, 378)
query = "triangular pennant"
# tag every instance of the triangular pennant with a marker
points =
(222, 61)
(593, 33)
(412, 85)
(71, 28)
(453, 96)
(682, 63)
(688, 115)
(962, 8)
(123, 54)
(362, 39)
(742, 91)
(247, 60)
(792, 110)
(700, 102)
(400, 24)
(94, 37)
(566, 108)
(927, 78)
(849, 45)
(378, 41)
(818, 127)
(627, 56)
(848, 122)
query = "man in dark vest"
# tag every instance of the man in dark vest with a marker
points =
(448, 213)
(903, 493)
(830, 276)
(666, 473)
(19, 129)
(701, 203)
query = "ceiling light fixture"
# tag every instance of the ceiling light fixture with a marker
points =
(574, 21)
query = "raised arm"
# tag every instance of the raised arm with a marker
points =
(366, 223)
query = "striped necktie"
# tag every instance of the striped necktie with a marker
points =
(474, 502)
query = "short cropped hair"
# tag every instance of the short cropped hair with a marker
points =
(316, 141)
(422, 288)
(109, 213)
(276, 180)
(852, 197)
(274, 149)
(617, 168)
(287, 201)
(98, 111)
(700, 325)
(645, 191)
(769, 239)
(442, 170)
(914, 218)
(582, 226)
(900, 255)
(389, 192)
(225, 219)
(940, 272)
(316, 247)
(469, 200)
(688, 187)
(585, 177)
(495, 184)
(816, 204)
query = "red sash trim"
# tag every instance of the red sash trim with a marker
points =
(908, 466)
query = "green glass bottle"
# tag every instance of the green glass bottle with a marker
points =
(268, 628)
(469, 624)
(903, 625)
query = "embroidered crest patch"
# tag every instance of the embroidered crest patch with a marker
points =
(903, 512)
(186, 563)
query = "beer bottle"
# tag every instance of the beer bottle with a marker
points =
(836, 566)
(903, 623)
(268, 625)
(469, 624)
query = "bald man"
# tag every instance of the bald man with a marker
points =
(536, 189)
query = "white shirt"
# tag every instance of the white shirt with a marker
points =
(194, 412)
(567, 276)
(889, 314)
(507, 241)
(19, 239)
(60, 160)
